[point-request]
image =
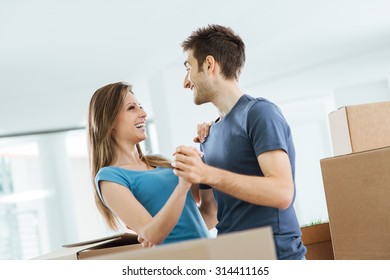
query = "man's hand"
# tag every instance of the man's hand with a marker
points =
(189, 165)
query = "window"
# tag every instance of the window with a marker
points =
(46, 195)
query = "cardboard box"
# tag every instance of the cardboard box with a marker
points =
(360, 128)
(318, 242)
(357, 190)
(250, 244)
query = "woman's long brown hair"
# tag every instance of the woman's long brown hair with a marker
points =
(104, 107)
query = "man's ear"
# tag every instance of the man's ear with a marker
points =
(209, 64)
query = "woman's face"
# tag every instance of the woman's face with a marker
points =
(130, 124)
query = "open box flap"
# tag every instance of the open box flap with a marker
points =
(109, 241)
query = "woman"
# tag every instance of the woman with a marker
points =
(141, 191)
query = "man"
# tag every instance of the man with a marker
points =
(249, 156)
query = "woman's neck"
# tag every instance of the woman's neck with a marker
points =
(129, 157)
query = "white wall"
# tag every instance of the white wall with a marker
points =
(307, 119)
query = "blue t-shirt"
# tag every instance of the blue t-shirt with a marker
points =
(252, 127)
(152, 188)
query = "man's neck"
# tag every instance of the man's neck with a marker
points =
(227, 96)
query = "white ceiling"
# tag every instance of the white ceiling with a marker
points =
(53, 54)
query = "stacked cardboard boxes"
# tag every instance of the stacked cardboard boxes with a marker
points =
(318, 242)
(357, 182)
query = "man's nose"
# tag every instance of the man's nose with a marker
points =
(187, 82)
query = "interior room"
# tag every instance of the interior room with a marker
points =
(308, 57)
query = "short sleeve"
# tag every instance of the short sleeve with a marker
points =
(267, 128)
(112, 175)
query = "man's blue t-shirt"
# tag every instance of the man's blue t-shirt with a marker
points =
(252, 127)
(152, 188)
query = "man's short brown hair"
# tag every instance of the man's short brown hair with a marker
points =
(223, 44)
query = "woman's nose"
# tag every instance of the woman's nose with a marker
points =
(143, 113)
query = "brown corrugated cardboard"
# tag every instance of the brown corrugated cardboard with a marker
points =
(249, 244)
(360, 128)
(318, 242)
(357, 189)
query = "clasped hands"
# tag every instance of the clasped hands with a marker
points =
(188, 164)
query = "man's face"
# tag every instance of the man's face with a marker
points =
(197, 80)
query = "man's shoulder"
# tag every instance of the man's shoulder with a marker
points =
(260, 105)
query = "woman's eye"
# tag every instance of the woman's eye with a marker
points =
(131, 108)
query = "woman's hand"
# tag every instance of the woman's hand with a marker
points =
(144, 243)
(203, 132)
(183, 183)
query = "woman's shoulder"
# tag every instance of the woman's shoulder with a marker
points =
(108, 171)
